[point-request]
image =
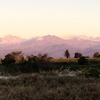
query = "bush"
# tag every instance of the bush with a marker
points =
(82, 61)
(91, 72)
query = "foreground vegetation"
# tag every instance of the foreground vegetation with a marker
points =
(44, 78)
(49, 87)
(91, 68)
(16, 63)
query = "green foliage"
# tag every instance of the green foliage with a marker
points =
(91, 72)
(9, 59)
(93, 60)
(15, 62)
(82, 61)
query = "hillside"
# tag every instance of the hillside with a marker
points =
(53, 45)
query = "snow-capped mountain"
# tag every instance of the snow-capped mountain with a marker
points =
(53, 45)
(86, 38)
(9, 39)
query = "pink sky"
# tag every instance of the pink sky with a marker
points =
(30, 18)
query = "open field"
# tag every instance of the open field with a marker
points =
(75, 60)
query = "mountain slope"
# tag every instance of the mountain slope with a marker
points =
(9, 39)
(52, 45)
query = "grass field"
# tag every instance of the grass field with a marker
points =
(75, 60)
(49, 87)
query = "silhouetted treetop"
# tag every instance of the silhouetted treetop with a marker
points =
(67, 55)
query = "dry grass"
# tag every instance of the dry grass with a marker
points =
(75, 60)
(94, 60)
(39, 87)
(65, 60)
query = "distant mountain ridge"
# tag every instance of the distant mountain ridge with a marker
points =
(9, 39)
(53, 45)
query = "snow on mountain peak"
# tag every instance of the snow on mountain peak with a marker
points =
(51, 44)
(9, 39)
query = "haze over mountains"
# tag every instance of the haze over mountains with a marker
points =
(53, 45)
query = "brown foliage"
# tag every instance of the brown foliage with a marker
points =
(36, 87)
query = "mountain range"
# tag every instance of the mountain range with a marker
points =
(52, 45)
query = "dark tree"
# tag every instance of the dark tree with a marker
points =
(86, 56)
(78, 55)
(67, 55)
(13, 58)
(82, 60)
(30, 64)
(9, 59)
(96, 55)
(38, 63)
(45, 57)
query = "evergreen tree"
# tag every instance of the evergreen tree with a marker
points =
(67, 55)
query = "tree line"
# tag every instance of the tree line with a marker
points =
(17, 57)
(17, 62)
(79, 55)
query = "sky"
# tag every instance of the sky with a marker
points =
(31, 18)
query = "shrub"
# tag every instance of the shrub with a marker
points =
(82, 61)
(91, 72)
